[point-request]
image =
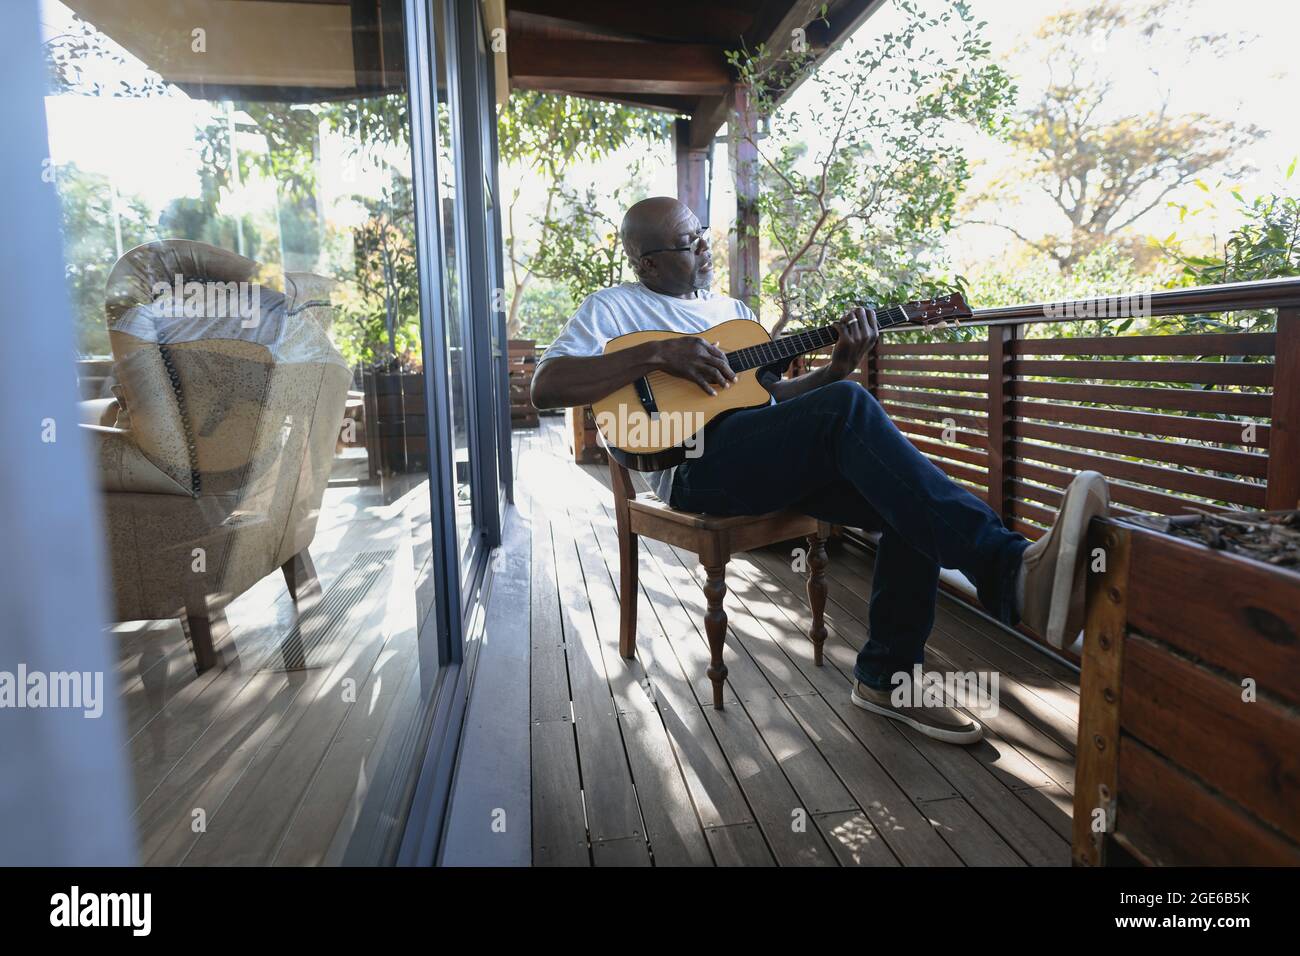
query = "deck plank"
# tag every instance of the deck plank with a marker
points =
(978, 834)
(1036, 842)
(794, 839)
(740, 844)
(559, 825)
(559, 830)
(881, 738)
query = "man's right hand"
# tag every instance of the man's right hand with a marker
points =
(691, 357)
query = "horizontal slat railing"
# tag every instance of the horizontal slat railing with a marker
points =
(1176, 422)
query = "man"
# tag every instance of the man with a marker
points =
(822, 446)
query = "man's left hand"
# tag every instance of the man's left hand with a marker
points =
(858, 333)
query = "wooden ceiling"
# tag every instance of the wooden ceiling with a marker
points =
(663, 54)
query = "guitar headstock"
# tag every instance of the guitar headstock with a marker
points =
(945, 308)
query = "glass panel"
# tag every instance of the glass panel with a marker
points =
(457, 338)
(240, 235)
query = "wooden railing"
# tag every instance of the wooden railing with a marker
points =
(1208, 421)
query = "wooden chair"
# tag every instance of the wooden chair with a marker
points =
(715, 540)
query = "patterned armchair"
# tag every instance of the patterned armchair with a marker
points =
(230, 399)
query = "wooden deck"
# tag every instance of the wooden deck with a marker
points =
(629, 764)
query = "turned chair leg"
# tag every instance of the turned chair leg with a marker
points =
(204, 629)
(627, 593)
(300, 575)
(715, 625)
(817, 562)
(621, 482)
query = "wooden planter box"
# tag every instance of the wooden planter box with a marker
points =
(522, 362)
(1174, 766)
(397, 427)
(580, 432)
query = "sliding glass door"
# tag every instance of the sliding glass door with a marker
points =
(276, 234)
(457, 337)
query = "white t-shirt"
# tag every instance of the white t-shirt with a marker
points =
(631, 307)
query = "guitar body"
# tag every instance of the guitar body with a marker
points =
(646, 442)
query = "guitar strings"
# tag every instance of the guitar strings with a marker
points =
(788, 346)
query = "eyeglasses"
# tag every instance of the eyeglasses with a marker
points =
(702, 236)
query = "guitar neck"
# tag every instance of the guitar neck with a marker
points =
(809, 340)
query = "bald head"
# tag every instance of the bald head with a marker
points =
(661, 237)
(649, 224)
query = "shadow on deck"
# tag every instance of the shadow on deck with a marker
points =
(627, 763)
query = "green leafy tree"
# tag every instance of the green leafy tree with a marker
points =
(583, 249)
(1105, 172)
(546, 307)
(98, 226)
(1265, 246)
(548, 135)
(380, 309)
(861, 218)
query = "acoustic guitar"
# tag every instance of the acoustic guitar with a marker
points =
(658, 420)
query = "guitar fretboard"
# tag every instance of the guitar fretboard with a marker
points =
(809, 340)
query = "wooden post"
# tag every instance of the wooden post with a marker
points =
(1001, 423)
(743, 258)
(1284, 433)
(692, 171)
(871, 370)
(1097, 748)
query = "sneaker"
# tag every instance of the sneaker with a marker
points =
(1055, 566)
(942, 723)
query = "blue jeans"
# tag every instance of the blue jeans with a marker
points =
(834, 454)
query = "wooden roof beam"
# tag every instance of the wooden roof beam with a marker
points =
(675, 69)
(678, 20)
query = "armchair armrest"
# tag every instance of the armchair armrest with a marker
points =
(98, 411)
(124, 467)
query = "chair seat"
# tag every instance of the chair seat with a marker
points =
(650, 504)
(714, 537)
